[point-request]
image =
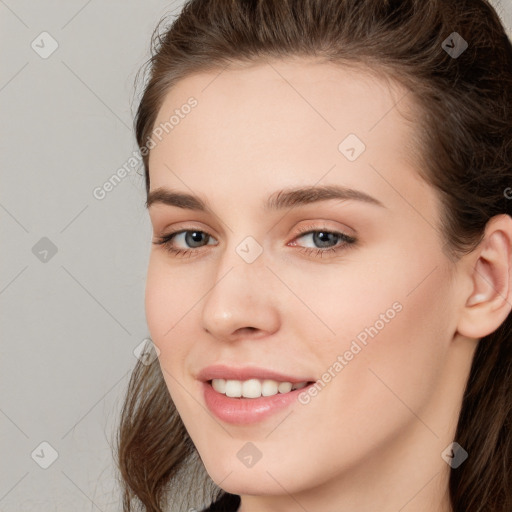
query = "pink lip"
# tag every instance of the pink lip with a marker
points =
(243, 411)
(220, 371)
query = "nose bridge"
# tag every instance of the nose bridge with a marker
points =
(241, 292)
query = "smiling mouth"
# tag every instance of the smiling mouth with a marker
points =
(254, 388)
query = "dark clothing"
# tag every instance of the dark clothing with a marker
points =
(226, 503)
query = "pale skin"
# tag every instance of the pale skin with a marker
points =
(372, 438)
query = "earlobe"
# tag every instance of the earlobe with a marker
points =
(490, 301)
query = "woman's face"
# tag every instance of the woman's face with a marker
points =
(270, 285)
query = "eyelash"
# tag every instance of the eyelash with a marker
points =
(347, 241)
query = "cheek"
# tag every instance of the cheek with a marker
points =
(166, 317)
(157, 301)
(165, 304)
(392, 331)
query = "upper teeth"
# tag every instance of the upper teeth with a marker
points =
(253, 388)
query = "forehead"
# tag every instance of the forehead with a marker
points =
(302, 96)
(312, 90)
(284, 123)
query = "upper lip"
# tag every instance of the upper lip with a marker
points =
(221, 371)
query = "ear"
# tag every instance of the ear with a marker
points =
(490, 301)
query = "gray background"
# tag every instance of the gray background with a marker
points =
(71, 319)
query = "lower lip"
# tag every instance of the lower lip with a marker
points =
(243, 411)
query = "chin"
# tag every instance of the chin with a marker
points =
(261, 479)
(250, 485)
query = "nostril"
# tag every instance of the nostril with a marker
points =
(243, 330)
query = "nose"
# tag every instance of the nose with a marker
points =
(242, 301)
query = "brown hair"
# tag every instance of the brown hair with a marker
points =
(464, 128)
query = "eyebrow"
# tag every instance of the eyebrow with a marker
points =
(287, 198)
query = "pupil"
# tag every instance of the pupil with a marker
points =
(192, 237)
(321, 234)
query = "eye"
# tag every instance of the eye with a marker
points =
(195, 239)
(325, 237)
(191, 236)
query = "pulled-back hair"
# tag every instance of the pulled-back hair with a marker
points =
(464, 145)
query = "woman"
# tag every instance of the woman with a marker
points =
(329, 287)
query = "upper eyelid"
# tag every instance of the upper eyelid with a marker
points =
(301, 231)
(314, 225)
